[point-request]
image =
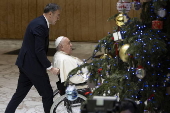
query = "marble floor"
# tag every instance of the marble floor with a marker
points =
(9, 75)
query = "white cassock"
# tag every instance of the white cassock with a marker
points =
(66, 63)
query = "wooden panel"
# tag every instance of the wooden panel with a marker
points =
(113, 11)
(69, 18)
(136, 13)
(3, 18)
(47, 2)
(84, 20)
(52, 30)
(61, 27)
(11, 23)
(32, 14)
(40, 7)
(18, 19)
(77, 20)
(131, 12)
(106, 15)
(24, 14)
(92, 21)
(99, 19)
(81, 20)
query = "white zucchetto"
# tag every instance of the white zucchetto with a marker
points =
(58, 40)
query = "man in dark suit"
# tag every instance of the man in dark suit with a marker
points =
(32, 60)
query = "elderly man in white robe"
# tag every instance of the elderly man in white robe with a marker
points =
(66, 62)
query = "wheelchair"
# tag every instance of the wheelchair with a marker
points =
(63, 105)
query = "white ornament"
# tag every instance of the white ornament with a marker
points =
(117, 36)
(140, 73)
(123, 5)
(161, 12)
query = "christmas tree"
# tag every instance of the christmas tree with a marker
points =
(136, 59)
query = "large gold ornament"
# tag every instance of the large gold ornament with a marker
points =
(121, 19)
(105, 55)
(122, 52)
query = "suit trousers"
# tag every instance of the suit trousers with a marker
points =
(25, 82)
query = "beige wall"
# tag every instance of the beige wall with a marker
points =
(81, 20)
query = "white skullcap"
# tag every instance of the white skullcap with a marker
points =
(58, 40)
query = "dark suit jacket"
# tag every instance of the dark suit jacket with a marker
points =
(33, 53)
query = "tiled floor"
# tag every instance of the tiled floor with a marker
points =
(9, 75)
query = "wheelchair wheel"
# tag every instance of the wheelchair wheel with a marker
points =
(63, 105)
(55, 92)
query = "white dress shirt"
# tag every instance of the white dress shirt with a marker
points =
(48, 27)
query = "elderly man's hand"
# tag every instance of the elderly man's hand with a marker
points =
(55, 71)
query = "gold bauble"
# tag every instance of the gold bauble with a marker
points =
(122, 52)
(121, 19)
(105, 55)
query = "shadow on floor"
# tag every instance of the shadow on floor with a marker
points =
(51, 52)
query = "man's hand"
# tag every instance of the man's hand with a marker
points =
(55, 71)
